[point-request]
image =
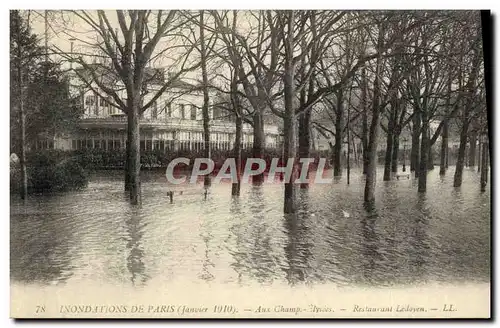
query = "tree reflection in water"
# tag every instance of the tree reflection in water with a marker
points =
(418, 252)
(410, 238)
(298, 246)
(237, 215)
(370, 245)
(259, 255)
(207, 263)
(135, 258)
(256, 252)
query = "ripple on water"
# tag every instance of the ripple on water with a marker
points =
(96, 236)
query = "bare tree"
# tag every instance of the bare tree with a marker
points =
(468, 108)
(206, 97)
(131, 51)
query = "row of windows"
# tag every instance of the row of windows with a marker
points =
(150, 145)
(181, 135)
(96, 144)
(93, 102)
(44, 144)
(199, 145)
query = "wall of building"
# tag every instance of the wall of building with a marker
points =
(174, 121)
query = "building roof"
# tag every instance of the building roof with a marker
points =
(152, 76)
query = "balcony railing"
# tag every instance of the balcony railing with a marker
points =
(170, 123)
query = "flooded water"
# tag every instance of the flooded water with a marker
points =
(95, 237)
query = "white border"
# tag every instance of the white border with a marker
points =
(190, 4)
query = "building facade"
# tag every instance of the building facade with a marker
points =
(173, 122)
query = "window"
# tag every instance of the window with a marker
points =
(90, 100)
(216, 113)
(103, 102)
(183, 114)
(169, 109)
(193, 112)
(113, 110)
(154, 111)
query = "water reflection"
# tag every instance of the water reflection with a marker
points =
(235, 210)
(135, 258)
(297, 249)
(94, 236)
(259, 254)
(207, 236)
(40, 245)
(418, 250)
(370, 246)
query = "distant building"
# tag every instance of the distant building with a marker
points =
(173, 122)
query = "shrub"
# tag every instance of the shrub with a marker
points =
(45, 175)
(50, 171)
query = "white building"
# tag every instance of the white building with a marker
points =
(173, 122)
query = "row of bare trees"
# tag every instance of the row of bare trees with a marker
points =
(343, 73)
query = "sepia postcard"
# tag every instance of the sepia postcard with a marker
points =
(250, 164)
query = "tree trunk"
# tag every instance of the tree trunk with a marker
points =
(444, 148)
(371, 172)
(258, 143)
(484, 166)
(395, 153)
(424, 153)
(236, 187)
(430, 158)
(289, 117)
(479, 158)
(339, 122)
(134, 161)
(127, 159)
(457, 179)
(348, 144)
(388, 155)
(364, 135)
(472, 148)
(289, 153)
(304, 139)
(22, 114)
(415, 144)
(390, 142)
(206, 98)
(22, 155)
